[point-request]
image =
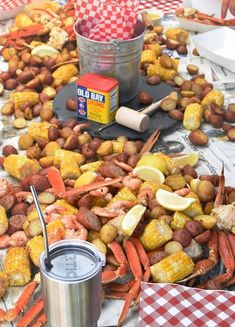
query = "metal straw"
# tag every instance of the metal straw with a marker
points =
(44, 231)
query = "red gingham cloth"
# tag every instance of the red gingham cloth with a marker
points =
(167, 6)
(104, 20)
(6, 5)
(166, 305)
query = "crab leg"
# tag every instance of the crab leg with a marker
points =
(143, 258)
(31, 314)
(136, 269)
(231, 239)
(151, 141)
(23, 300)
(56, 181)
(40, 321)
(220, 192)
(215, 20)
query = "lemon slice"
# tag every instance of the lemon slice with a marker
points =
(173, 201)
(190, 159)
(154, 161)
(86, 178)
(148, 173)
(44, 50)
(194, 184)
(132, 218)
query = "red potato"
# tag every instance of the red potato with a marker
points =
(156, 256)
(204, 237)
(88, 219)
(40, 182)
(194, 227)
(110, 169)
(182, 236)
(16, 223)
(8, 201)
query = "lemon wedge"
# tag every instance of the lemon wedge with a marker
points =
(148, 173)
(86, 178)
(132, 218)
(190, 159)
(43, 50)
(148, 159)
(173, 201)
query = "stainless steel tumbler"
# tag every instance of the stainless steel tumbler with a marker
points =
(72, 289)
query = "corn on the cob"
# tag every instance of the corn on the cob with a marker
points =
(35, 247)
(91, 166)
(164, 73)
(178, 34)
(195, 209)
(68, 209)
(4, 283)
(63, 155)
(156, 48)
(17, 266)
(148, 57)
(20, 166)
(55, 231)
(155, 235)
(173, 268)
(69, 168)
(193, 116)
(213, 96)
(65, 72)
(3, 220)
(19, 98)
(39, 130)
(179, 220)
(23, 20)
(124, 194)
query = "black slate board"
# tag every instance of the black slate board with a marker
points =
(159, 119)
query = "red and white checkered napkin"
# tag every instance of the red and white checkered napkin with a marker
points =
(102, 20)
(169, 305)
(6, 5)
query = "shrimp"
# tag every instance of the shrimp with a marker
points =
(5, 187)
(182, 191)
(69, 221)
(102, 191)
(81, 233)
(18, 239)
(122, 204)
(78, 128)
(131, 182)
(145, 196)
(53, 212)
(24, 197)
(107, 212)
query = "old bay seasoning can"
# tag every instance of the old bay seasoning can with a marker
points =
(97, 97)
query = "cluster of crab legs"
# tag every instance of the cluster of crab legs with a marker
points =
(196, 16)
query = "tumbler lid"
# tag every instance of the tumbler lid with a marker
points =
(72, 261)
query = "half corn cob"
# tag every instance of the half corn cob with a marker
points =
(69, 168)
(39, 130)
(124, 194)
(178, 34)
(19, 98)
(164, 73)
(65, 72)
(3, 220)
(179, 220)
(63, 155)
(55, 231)
(213, 96)
(193, 116)
(20, 166)
(67, 209)
(173, 268)
(155, 235)
(148, 57)
(156, 48)
(17, 266)
(4, 283)
(91, 166)
(35, 247)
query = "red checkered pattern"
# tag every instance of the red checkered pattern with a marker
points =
(6, 5)
(167, 6)
(169, 305)
(87, 12)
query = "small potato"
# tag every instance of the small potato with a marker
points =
(207, 221)
(198, 137)
(46, 161)
(130, 148)
(176, 114)
(182, 236)
(229, 116)
(10, 84)
(231, 107)
(34, 228)
(189, 170)
(168, 104)
(87, 152)
(207, 209)
(50, 148)
(231, 134)
(105, 149)
(8, 109)
(25, 141)
(153, 80)
(46, 112)
(46, 198)
(179, 80)
(71, 142)
(205, 191)
(172, 44)
(216, 120)
(194, 228)
(65, 132)
(157, 212)
(86, 138)
(20, 123)
(71, 104)
(175, 182)
(172, 247)
(50, 92)
(156, 256)
(53, 133)
(37, 109)
(165, 61)
(100, 245)
(166, 219)
(108, 233)
(182, 50)
(192, 69)
(145, 97)
(8, 149)
(133, 159)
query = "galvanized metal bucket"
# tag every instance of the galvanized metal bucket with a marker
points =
(118, 59)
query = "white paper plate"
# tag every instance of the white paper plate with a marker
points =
(210, 7)
(217, 46)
